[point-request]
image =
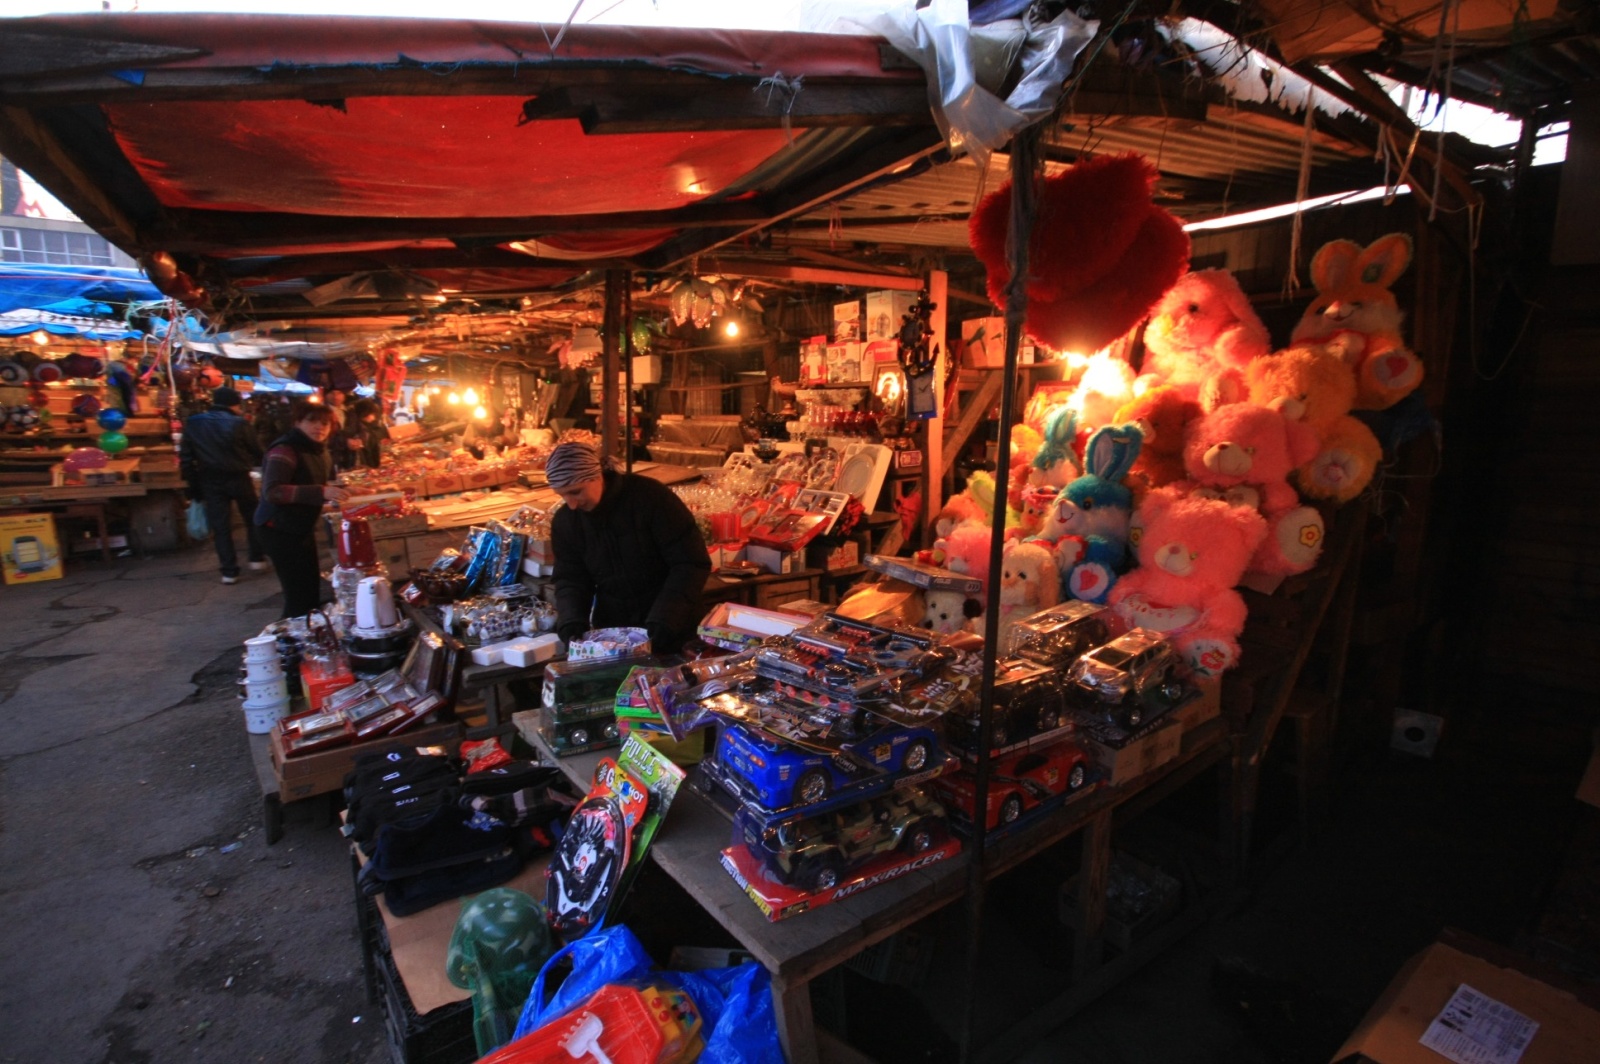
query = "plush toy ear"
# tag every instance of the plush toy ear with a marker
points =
(1223, 388)
(1333, 265)
(1060, 427)
(1384, 260)
(971, 608)
(1112, 452)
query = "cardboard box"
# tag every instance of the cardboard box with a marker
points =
(646, 369)
(403, 525)
(880, 355)
(847, 321)
(446, 484)
(927, 577)
(885, 310)
(730, 624)
(1391, 1032)
(29, 550)
(1144, 754)
(773, 561)
(1205, 706)
(480, 479)
(325, 770)
(845, 556)
(983, 343)
(779, 902)
(844, 363)
(814, 360)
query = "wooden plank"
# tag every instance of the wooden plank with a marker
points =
(1093, 877)
(35, 148)
(779, 271)
(202, 230)
(977, 407)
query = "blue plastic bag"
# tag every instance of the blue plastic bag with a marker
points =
(199, 527)
(604, 955)
(735, 1003)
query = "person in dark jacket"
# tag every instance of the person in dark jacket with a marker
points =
(218, 451)
(365, 428)
(294, 486)
(628, 552)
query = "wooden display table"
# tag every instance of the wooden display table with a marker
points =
(799, 949)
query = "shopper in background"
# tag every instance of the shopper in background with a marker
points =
(122, 383)
(218, 451)
(294, 486)
(366, 432)
(338, 441)
(628, 552)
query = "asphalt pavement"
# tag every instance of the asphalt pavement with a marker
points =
(145, 918)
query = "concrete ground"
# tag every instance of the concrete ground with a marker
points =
(146, 919)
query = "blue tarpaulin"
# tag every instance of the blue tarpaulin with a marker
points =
(38, 287)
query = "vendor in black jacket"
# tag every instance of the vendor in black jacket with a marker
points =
(628, 552)
(218, 452)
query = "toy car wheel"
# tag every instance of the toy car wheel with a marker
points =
(811, 788)
(919, 839)
(1171, 687)
(1076, 777)
(997, 733)
(823, 877)
(1010, 809)
(1049, 719)
(1133, 715)
(578, 737)
(916, 758)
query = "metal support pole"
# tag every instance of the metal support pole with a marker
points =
(1024, 159)
(627, 370)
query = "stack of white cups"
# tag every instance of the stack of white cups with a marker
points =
(266, 693)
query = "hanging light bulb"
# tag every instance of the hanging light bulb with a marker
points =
(732, 328)
(469, 397)
(481, 414)
(453, 399)
(39, 337)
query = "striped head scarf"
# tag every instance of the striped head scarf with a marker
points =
(572, 463)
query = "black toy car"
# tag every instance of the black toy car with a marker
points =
(1061, 634)
(1029, 699)
(1129, 674)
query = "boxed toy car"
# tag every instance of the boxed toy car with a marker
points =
(579, 728)
(791, 864)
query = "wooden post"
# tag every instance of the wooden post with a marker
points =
(610, 361)
(933, 451)
(1093, 876)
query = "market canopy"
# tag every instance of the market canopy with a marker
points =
(378, 166)
(383, 159)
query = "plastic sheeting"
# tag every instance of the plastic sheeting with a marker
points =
(966, 64)
(29, 286)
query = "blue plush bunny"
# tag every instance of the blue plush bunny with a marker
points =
(1095, 509)
(1056, 464)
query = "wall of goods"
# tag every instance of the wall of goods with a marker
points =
(841, 739)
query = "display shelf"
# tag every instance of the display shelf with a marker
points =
(798, 950)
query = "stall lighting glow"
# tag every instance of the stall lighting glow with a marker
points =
(731, 329)
(481, 414)
(39, 337)
(1264, 214)
(469, 397)
(453, 399)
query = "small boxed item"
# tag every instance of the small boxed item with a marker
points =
(927, 577)
(1138, 756)
(1139, 899)
(814, 360)
(885, 310)
(735, 627)
(844, 363)
(847, 322)
(609, 644)
(567, 734)
(646, 369)
(770, 559)
(531, 650)
(1466, 1000)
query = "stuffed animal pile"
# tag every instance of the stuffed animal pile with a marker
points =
(1160, 492)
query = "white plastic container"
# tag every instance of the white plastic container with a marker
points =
(261, 648)
(262, 671)
(266, 692)
(259, 720)
(531, 650)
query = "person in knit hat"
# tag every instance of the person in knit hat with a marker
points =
(628, 552)
(218, 451)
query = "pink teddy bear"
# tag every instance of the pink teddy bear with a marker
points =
(1244, 454)
(1192, 551)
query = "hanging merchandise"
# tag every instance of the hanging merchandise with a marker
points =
(918, 354)
(111, 420)
(113, 442)
(587, 866)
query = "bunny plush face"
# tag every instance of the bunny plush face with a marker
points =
(1353, 288)
(1205, 321)
(946, 612)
